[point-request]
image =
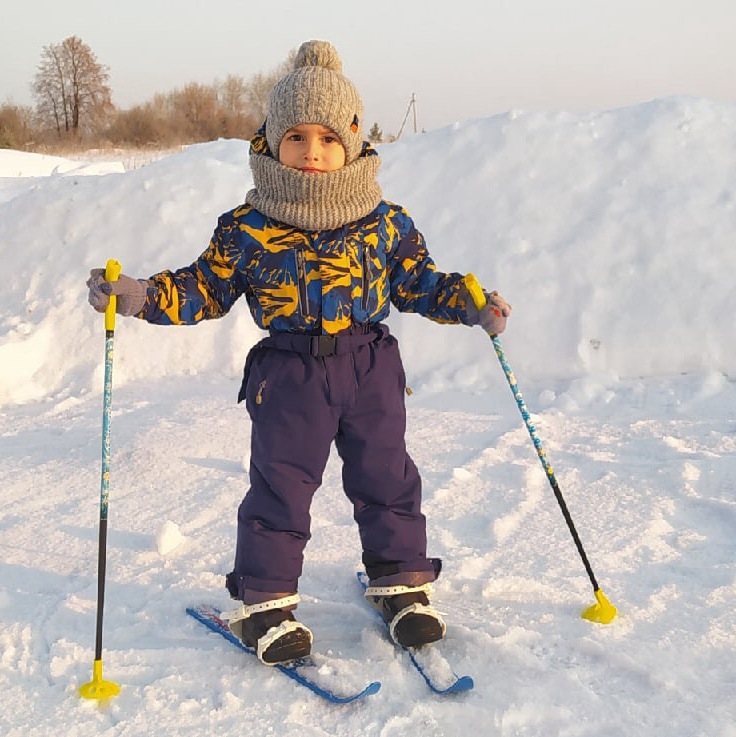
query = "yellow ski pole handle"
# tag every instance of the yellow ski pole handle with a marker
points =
(113, 269)
(476, 291)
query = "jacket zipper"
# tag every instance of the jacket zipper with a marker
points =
(301, 276)
(366, 276)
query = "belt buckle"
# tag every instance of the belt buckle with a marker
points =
(326, 345)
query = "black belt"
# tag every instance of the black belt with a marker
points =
(320, 346)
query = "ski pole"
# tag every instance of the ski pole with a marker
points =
(602, 611)
(98, 688)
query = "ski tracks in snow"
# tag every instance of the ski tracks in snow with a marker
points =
(652, 500)
(653, 503)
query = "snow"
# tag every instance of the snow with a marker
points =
(169, 538)
(21, 164)
(611, 235)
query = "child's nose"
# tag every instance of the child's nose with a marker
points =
(312, 149)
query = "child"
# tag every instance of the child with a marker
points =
(319, 256)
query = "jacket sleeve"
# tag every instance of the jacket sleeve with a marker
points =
(417, 285)
(204, 290)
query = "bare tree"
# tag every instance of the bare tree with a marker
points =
(259, 86)
(195, 111)
(236, 117)
(70, 87)
(16, 126)
(139, 126)
(232, 95)
(72, 96)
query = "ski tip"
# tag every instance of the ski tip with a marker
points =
(464, 683)
(461, 685)
(369, 690)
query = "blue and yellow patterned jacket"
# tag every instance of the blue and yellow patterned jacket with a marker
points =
(309, 282)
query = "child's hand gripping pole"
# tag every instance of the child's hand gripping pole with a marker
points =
(602, 611)
(98, 688)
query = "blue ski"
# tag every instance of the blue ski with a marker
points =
(428, 662)
(209, 616)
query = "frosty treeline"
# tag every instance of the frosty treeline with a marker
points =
(73, 106)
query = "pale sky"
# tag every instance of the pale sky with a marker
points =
(462, 58)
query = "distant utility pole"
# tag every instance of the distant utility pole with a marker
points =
(412, 108)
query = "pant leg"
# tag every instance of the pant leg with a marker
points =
(292, 430)
(379, 477)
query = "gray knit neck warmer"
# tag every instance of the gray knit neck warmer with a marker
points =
(314, 201)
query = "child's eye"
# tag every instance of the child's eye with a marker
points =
(330, 139)
(296, 137)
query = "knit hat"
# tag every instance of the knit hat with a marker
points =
(316, 92)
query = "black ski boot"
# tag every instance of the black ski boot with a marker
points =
(412, 621)
(272, 631)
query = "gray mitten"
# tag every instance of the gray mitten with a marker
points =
(130, 293)
(491, 317)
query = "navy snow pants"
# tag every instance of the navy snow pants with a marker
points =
(300, 401)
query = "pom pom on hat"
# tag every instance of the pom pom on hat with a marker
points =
(318, 54)
(316, 92)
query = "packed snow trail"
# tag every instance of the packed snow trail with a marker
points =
(653, 502)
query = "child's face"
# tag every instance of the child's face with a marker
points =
(311, 148)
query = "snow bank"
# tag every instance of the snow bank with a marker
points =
(610, 234)
(21, 164)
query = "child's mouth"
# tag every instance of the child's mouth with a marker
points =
(311, 170)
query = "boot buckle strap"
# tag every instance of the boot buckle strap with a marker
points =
(396, 590)
(246, 610)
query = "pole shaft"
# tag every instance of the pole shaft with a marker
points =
(542, 456)
(104, 489)
(101, 567)
(106, 412)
